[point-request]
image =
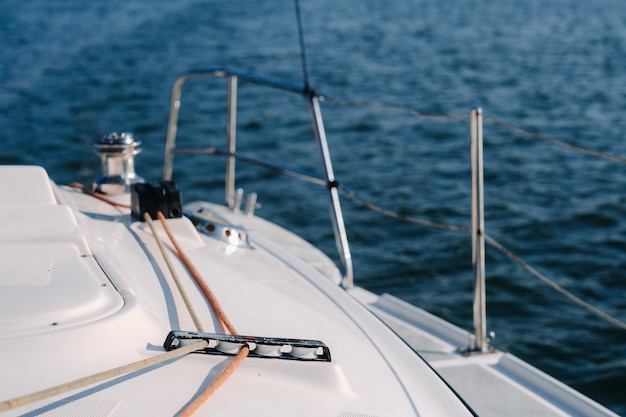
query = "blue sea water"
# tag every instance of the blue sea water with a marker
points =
(73, 71)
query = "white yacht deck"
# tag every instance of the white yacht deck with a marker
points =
(514, 388)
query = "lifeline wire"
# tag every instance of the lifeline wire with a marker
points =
(556, 141)
(403, 217)
(398, 109)
(556, 286)
(460, 116)
(389, 213)
(394, 214)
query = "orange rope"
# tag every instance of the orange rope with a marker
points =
(217, 382)
(222, 318)
(217, 308)
(210, 296)
(87, 191)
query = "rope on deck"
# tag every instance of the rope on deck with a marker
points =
(225, 323)
(102, 376)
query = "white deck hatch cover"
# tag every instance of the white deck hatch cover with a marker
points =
(50, 277)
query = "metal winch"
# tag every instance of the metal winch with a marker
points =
(117, 152)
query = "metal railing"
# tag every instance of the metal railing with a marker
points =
(478, 232)
(480, 342)
(230, 151)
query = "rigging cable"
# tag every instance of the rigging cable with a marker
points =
(556, 286)
(303, 59)
(393, 214)
(345, 192)
(503, 249)
(554, 141)
(460, 116)
(398, 109)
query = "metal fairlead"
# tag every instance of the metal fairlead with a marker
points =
(260, 347)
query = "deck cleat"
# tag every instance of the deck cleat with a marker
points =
(211, 225)
(260, 347)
